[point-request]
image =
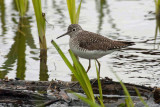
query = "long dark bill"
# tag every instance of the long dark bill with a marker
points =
(62, 35)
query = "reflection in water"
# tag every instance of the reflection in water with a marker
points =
(17, 51)
(100, 8)
(43, 66)
(113, 25)
(157, 29)
(101, 5)
(17, 54)
(14, 5)
(2, 16)
(21, 47)
(59, 9)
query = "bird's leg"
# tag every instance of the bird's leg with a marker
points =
(99, 65)
(89, 66)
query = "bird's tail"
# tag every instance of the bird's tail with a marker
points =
(129, 43)
(122, 44)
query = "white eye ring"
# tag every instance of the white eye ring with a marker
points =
(74, 29)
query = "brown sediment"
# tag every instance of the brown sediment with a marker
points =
(18, 91)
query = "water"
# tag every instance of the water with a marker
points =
(126, 20)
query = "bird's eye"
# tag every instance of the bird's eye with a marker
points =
(74, 29)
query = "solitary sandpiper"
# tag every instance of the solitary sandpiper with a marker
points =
(90, 45)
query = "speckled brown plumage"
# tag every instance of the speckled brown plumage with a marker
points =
(93, 41)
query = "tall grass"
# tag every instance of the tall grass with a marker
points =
(100, 87)
(22, 6)
(78, 71)
(41, 25)
(74, 14)
(141, 98)
(129, 102)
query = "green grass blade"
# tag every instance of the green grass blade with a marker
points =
(40, 23)
(100, 88)
(66, 60)
(71, 9)
(158, 2)
(157, 6)
(76, 74)
(78, 12)
(101, 102)
(131, 104)
(22, 6)
(74, 15)
(79, 73)
(84, 80)
(141, 97)
(92, 104)
(63, 56)
(127, 102)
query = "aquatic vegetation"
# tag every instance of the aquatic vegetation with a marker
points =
(78, 71)
(100, 87)
(22, 6)
(157, 5)
(74, 15)
(41, 24)
(128, 99)
(141, 98)
(157, 11)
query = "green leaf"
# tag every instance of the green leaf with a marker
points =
(22, 6)
(83, 78)
(129, 101)
(74, 16)
(78, 12)
(63, 56)
(78, 71)
(40, 23)
(92, 104)
(99, 86)
(141, 97)
(71, 9)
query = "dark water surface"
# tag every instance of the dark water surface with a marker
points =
(126, 20)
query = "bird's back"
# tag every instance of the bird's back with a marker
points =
(93, 46)
(93, 41)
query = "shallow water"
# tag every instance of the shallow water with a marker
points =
(126, 20)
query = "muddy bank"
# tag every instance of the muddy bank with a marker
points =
(56, 92)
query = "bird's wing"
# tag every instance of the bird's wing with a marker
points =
(93, 41)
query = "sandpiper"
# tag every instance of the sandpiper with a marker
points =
(90, 45)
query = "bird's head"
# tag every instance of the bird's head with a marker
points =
(72, 30)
